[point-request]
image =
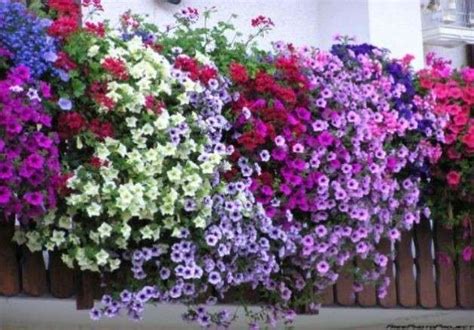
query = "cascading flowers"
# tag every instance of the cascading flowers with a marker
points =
(29, 157)
(328, 142)
(134, 153)
(450, 193)
(25, 37)
(192, 185)
(143, 142)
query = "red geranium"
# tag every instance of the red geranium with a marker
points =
(207, 73)
(95, 28)
(98, 93)
(65, 8)
(63, 27)
(116, 67)
(101, 129)
(64, 62)
(238, 73)
(70, 124)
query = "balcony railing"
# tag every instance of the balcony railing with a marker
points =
(448, 22)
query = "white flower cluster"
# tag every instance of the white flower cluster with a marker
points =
(155, 164)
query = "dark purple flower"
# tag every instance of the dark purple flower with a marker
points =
(5, 195)
(34, 198)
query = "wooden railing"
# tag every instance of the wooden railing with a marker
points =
(419, 280)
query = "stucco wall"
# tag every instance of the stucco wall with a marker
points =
(457, 55)
(295, 20)
(394, 24)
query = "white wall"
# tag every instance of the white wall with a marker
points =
(295, 20)
(396, 25)
(393, 24)
(457, 55)
(345, 17)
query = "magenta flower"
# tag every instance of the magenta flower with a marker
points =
(35, 161)
(325, 139)
(6, 171)
(5, 195)
(279, 154)
(468, 253)
(26, 145)
(34, 198)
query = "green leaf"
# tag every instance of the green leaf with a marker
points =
(78, 87)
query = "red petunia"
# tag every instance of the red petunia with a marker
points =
(453, 178)
(468, 138)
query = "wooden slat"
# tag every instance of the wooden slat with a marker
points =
(9, 267)
(390, 300)
(465, 280)
(327, 297)
(33, 274)
(445, 271)
(344, 291)
(85, 290)
(425, 281)
(406, 287)
(62, 284)
(367, 297)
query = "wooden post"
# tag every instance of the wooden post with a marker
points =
(61, 277)
(406, 287)
(9, 267)
(33, 273)
(424, 262)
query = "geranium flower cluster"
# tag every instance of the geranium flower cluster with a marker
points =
(66, 17)
(29, 157)
(451, 193)
(25, 37)
(322, 140)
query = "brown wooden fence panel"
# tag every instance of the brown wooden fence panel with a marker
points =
(85, 290)
(9, 268)
(452, 287)
(345, 295)
(390, 300)
(465, 281)
(425, 281)
(61, 277)
(445, 271)
(367, 297)
(33, 273)
(328, 296)
(406, 287)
